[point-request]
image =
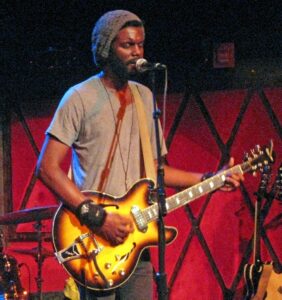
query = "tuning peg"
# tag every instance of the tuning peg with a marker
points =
(254, 167)
(254, 170)
(246, 156)
(257, 148)
(254, 153)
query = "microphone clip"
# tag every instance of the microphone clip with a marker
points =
(142, 65)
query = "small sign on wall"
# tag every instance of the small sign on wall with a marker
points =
(224, 55)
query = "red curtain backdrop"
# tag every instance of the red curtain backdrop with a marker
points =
(205, 258)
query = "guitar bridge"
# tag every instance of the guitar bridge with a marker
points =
(72, 252)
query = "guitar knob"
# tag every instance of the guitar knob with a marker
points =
(122, 273)
(108, 265)
(110, 282)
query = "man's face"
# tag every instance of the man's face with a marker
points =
(127, 48)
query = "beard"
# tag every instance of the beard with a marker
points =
(119, 68)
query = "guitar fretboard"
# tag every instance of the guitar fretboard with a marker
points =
(189, 195)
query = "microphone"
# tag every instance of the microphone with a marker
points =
(142, 65)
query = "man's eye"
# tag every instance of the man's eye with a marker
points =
(127, 45)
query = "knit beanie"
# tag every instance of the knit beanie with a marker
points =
(106, 29)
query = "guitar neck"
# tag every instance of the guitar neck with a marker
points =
(261, 194)
(256, 248)
(191, 194)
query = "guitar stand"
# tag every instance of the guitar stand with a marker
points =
(257, 275)
(39, 259)
(161, 276)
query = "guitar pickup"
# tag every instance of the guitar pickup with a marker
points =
(139, 218)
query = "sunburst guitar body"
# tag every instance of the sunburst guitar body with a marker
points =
(90, 259)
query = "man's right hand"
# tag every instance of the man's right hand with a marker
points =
(116, 228)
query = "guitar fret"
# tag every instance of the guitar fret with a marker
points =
(172, 204)
(177, 200)
(151, 213)
(155, 211)
(196, 191)
(223, 177)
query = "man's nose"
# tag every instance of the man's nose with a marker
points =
(137, 50)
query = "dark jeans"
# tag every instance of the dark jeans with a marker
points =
(138, 287)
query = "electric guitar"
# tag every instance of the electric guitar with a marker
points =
(94, 263)
(274, 286)
(260, 277)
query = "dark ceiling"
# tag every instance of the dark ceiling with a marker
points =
(51, 39)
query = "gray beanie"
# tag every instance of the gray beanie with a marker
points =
(106, 29)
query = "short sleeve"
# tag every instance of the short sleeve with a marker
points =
(66, 123)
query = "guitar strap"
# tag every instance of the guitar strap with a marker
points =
(144, 134)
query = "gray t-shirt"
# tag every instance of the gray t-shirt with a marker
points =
(86, 120)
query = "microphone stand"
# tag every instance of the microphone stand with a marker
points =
(161, 277)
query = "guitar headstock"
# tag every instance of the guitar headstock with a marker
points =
(265, 178)
(258, 158)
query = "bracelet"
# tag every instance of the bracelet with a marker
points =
(207, 175)
(90, 214)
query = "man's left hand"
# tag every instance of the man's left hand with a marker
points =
(232, 182)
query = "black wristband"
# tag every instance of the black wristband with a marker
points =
(90, 214)
(207, 175)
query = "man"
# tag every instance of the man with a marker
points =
(97, 119)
